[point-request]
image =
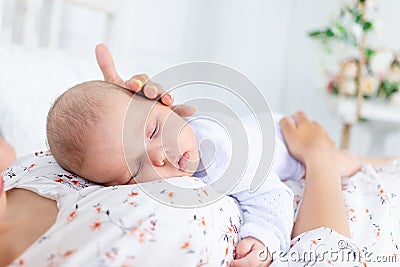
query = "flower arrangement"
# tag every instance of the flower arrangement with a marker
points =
(378, 69)
(381, 77)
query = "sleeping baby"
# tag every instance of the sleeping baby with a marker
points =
(109, 135)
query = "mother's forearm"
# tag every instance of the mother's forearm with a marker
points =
(377, 162)
(322, 204)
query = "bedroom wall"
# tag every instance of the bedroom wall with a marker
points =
(266, 40)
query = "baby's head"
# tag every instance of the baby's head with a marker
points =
(108, 135)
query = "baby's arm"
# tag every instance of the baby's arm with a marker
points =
(268, 215)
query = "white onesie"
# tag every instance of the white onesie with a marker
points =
(268, 213)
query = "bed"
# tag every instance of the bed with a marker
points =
(108, 236)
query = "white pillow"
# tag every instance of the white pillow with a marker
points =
(31, 79)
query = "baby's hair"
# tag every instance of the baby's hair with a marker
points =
(73, 117)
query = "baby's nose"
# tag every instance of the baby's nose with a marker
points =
(157, 157)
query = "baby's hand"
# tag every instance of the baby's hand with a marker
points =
(247, 253)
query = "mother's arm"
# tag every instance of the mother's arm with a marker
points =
(322, 204)
(7, 154)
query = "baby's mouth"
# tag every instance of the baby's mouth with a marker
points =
(183, 161)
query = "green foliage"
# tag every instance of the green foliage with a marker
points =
(335, 90)
(369, 53)
(367, 26)
(342, 29)
(349, 27)
(387, 88)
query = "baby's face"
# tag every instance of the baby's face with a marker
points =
(142, 139)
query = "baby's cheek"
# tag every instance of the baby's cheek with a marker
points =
(189, 137)
(157, 173)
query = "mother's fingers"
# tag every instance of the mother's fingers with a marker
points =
(287, 125)
(184, 110)
(317, 124)
(107, 67)
(152, 90)
(168, 99)
(300, 117)
(137, 82)
(142, 83)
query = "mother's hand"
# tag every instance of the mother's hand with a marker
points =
(7, 156)
(138, 83)
(306, 140)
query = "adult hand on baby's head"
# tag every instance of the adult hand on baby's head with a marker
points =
(138, 83)
(306, 140)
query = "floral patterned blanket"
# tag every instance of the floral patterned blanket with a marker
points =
(125, 226)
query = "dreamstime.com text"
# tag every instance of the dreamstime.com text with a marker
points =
(342, 254)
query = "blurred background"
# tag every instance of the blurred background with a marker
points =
(48, 46)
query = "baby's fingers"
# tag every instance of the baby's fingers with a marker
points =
(244, 247)
(250, 260)
(243, 262)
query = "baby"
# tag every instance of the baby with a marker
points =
(94, 132)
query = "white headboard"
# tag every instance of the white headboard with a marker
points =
(34, 69)
(38, 22)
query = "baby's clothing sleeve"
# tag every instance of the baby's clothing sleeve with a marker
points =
(268, 212)
(285, 165)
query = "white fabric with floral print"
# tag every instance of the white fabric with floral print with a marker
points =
(122, 226)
